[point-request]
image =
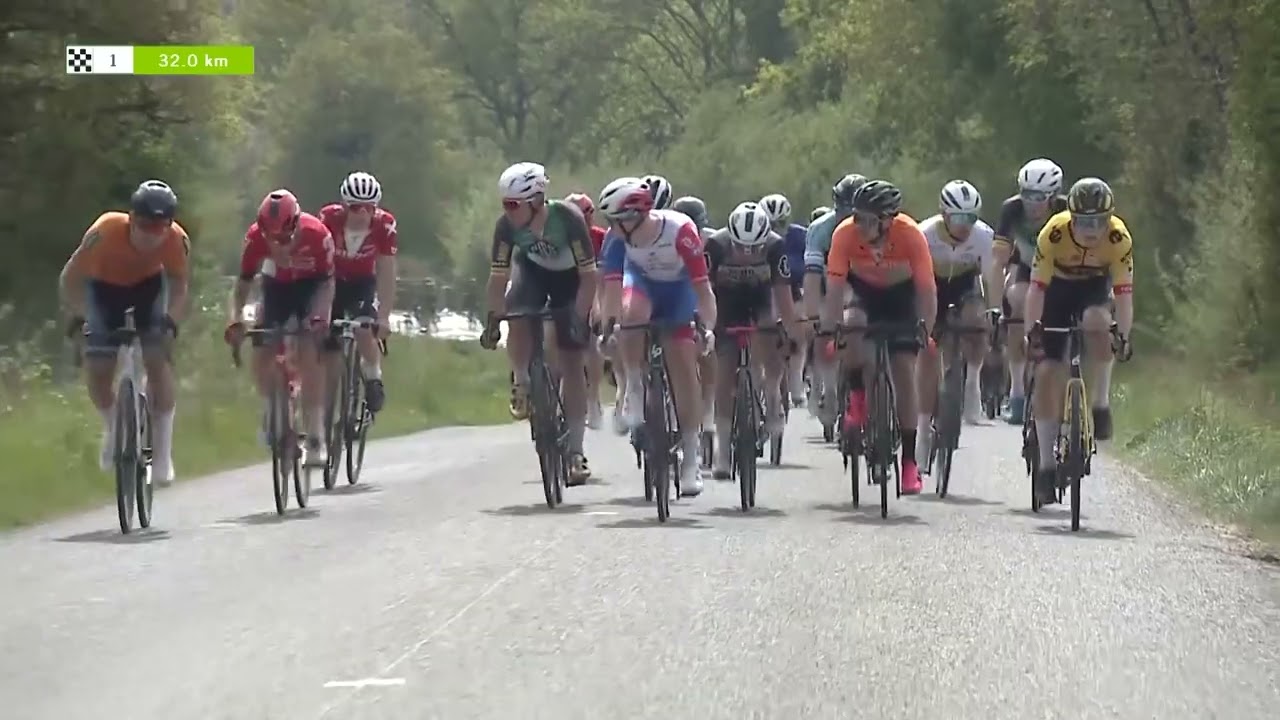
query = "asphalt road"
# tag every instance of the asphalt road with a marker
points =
(444, 577)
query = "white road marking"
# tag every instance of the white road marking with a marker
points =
(600, 512)
(367, 682)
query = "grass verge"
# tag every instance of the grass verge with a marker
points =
(49, 437)
(1217, 442)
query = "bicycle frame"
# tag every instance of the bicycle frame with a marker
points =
(352, 416)
(747, 410)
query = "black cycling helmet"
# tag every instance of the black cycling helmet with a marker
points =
(817, 213)
(1090, 196)
(878, 197)
(693, 207)
(843, 192)
(154, 199)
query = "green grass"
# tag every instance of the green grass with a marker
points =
(49, 433)
(1218, 443)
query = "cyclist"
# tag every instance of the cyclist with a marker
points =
(778, 208)
(594, 356)
(881, 253)
(661, 191)
(294, 252)
(548, 241)
(364, 239)
(1021, 217)
(1082, 255)
(696, 210)
(655, 272)
(815, 214)
(817, 245)
(750, 274)
(133, 260)
(960, 246)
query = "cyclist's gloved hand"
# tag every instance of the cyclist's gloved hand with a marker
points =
(234, 334)
(170, 326)
(579, 330)
(492, 333)
(1122, 346)
(383, 329)
(75, 327)
(318, 323)
(708, 339)
(1035, 340)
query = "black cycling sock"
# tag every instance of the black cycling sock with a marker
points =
(855, 379)
(908, 445)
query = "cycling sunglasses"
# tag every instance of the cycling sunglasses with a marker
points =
(962, 218)
(152, 225)
(362, 207)
(1090, 222)
(865, 220)
(1033, 196)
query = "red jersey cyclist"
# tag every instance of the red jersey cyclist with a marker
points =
(595, 359)
(364, 241)
(294, 252)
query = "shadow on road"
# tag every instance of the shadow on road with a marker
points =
(873, 518)
(784, 466)
(628, 501)
(953, 499)
(817, 440)
(652, 523)
(1050, 512)
(1084, 533)
(534, 509)
(115, 537)
(271, 517)
(357, 489)
(736, 512)
(845, 507)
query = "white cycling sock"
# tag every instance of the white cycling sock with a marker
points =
(1047, 434)
(1015, 376)
(924, 435)
(162, 438)
(1102, 393)
(973, 388)
(106, 419)
(372, 370)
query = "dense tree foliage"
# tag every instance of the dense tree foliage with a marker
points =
(1176, 102)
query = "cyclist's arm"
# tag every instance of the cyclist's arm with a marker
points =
(613, 258)
(921, 263)
(1122, 277)
(1006, 224)
(385, 270)
(584, 259)
(324, 295)
(178, 273)
(1041, 274)
(992, 276)
(780, 274)
(75, 275)
(499, 266)
(845, 235)
(251, 258)
(689, 245)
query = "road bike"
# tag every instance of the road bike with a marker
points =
(660, 439)
(347, 414)
(949, 414)
(131, 430)
(547, 425)
(747, 425)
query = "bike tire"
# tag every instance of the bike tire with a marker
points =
(744, 447)
(1075, 450)
(1031, 446)
(544, 439)
(124, 458)
(283, 447)
(952, 411)
(358, 422)
(335, 423)
(658, 441)
(881, 440)
(146, 485)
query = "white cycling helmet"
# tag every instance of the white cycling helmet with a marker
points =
(960, 196)
(1040, 175)
(361, 187)
(523, 181)
(749, 224)
(625, 196)
(661, 191)
(777, 207)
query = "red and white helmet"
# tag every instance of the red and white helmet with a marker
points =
(624, 197)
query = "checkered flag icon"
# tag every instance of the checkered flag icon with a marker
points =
(79, 60)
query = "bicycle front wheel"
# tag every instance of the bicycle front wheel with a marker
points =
(950, 417)
(125, 456)
(879, 409)
(283, 446)
(335, 422)
(744, 440)
(658, 439)
(146, 487)
(1074, 465)
(549, 460)
(357, 426)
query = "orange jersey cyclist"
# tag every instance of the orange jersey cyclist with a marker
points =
(881, 253)
(132, 261)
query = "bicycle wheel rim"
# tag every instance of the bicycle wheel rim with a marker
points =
(1075, 450)
(145, 486)
(281, 462)
(356, 428)
(544, 440)
(657, 438)
(334, 422)
(744, 441)
(125, 472)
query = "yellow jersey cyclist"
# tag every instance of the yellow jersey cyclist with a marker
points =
(696, 210)
(1021, 217)
(964, 272)
(817, 245)
(1083, 254)
(548, 241)
(137, 260)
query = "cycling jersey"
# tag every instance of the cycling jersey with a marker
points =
(1014, 228)
(901, 256)
(1059, 255)
(356, 252)
(732, 271)
(795, 241)
(107, 255)
(953, 258)
(597, 240)
(308, 256)
(817, 241)
(664, 271)
(565, 243)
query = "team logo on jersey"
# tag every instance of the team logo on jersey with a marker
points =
(1116, 237)
(784, 266)
(542, 247)
(1055, 235)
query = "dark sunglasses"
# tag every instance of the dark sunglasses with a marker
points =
(1033, 196)
(1090, 222)
(362, 207)
(962, 218)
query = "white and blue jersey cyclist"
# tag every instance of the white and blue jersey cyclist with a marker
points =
(655, 272)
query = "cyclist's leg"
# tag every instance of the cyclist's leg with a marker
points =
(279, 304)
(363, 303)
(1061, 306)
(105, 306)
(973, 349)
(311, 373)
(674, 306)
(638, 304)
(826, 370)
(1015, 298)
(707, 379)
(796, 360)
(1097, 359)
(929, 374)
(150, 302)
(771, 364)
(595, 371)
(344, 304)
(855, 361)
(525, 294)
(725, 358)
(562, 288)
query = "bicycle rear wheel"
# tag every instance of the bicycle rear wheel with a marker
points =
(952, 407)
(1074, 465)
(146, 487)
(125, 456)
(744, 439)
(358, 421)
(283, 446)
(657, 441)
